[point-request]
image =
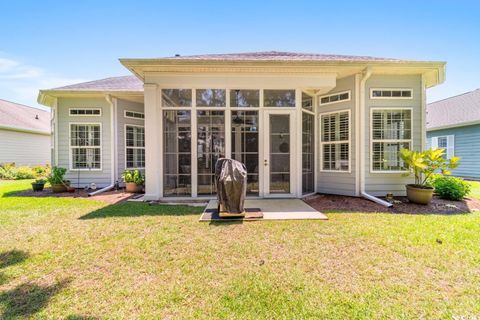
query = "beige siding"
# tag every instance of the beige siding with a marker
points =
(101, 177)
(24, 149)
(380, 183)
(339, 182)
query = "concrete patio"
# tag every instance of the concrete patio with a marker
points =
(272, 209)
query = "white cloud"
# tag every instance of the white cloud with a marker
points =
(20, 82)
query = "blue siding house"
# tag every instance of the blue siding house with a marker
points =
(454, 124)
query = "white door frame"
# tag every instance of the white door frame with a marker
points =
(265, 153)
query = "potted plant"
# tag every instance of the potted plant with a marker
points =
(422, 164)
(134, 181)
(56, 179)
(38, 185)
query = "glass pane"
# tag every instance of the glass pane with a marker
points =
(177, 153)
(244, 143)
(279, 98)
(176, 97)
(210, 147)
(307, 102)
(391, 124)
(279, 153)
(386, 156)
(308, 136)
(244, 98)
(210, 98)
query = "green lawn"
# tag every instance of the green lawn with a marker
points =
(475, 189)
(76, 259)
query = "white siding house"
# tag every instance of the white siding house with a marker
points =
(302, 123)
(24, 135)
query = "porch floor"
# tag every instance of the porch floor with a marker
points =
(272, 209)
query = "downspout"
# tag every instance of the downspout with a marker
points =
(365, 76)
(113, 130)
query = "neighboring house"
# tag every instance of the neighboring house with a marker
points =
(302, 123)
(24, 135)
(454, 124)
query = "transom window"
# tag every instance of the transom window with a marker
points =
(85, 112)
(176, 97)
(134, 114)
(335, 141)
(134, 147)
(85, 146)
(391, 131)
(244, 98)
(279, 98)
(210, 98)
(335, 98)
(390, 93)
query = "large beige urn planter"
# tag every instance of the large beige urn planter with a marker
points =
(419, 194)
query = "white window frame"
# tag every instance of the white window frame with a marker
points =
(134, 112)
(410, 141)
(349, 92)
(84, 115)
(70, 149)
(391, 89)
(349, 141)
(126, 147)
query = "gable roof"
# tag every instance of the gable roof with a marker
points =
(456, 111)
(18, 117)
(123, 83)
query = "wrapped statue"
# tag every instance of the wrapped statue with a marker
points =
(231, 183)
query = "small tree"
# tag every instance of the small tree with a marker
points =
(422, 164)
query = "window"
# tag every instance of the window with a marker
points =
(244, 98)
(134, 147)
(335, 141)
(390, 93)
(176, 97)
(210, 98)
(391, 131)
(307, 102)
(445, 142)
(134, 115)
(308, 146)
(335, 98)
(86, 112)
(279, 98)
(85, 146)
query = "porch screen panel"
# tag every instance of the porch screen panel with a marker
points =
(279, 98)
(177, 150)
(245, 128)
(210, 147)
(308, 144)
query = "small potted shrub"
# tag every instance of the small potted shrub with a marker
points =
(423, 164)
(38, 185)
(56, 179)
(134, 181)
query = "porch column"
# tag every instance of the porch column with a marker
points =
(153, 134)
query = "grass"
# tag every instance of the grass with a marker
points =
(80, 259)
(475, 191)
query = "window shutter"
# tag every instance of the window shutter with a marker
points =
(434, 143)
(450, 146)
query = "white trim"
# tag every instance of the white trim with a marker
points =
(423, 128)
(70, 160)
(134, 112)
(391, 89)
(455, 125)
(84, 115)
(349, 141)
(409, 141)
(357, 135)
(55, 128)
(339, 93)
(125, 145)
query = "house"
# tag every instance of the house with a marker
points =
(454, 124)
(302, 123)
(24, 135)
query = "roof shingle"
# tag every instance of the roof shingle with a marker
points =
(23, 117)
(123, 83)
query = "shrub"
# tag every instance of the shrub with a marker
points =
(7, 172)
(57, 176)
(42, 171)
(134, 176)
(10, 172)
(451, 188)
(24, 173)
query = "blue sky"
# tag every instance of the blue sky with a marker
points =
(44, 44)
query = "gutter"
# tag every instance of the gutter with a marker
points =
(25, 130)
(366, 75)
(101, 190)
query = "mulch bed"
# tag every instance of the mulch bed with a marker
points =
(326, 202)
(111, 197)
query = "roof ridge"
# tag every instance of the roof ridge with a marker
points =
(455, 96)
(23, 105)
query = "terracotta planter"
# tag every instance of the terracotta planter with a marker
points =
(133, 187)
(419, 195)
(59, 188)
